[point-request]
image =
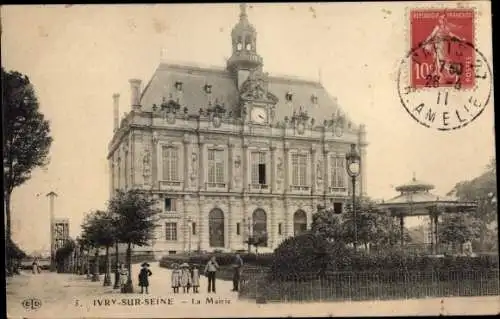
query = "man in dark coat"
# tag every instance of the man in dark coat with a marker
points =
(237, 264)
(144, 277)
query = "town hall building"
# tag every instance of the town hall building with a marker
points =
(233, 152)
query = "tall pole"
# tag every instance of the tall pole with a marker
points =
(354, 211)
(52, 195)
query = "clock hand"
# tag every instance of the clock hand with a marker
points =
(260, 115)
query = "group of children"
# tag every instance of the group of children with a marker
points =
(185, 277)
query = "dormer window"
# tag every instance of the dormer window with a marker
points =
(289, 96)
(178, 86)
(208, 88)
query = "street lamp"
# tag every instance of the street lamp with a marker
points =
(353, 160)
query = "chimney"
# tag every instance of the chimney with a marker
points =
(135, 91)
(116, 111)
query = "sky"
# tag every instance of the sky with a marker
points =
(78, 56)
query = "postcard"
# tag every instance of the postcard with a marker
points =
(249, 160)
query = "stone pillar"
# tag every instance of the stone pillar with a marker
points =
(272, 178)
(274, 227)
(230, 155)
(230, 222)
(314, 171)
(187, 160)
(185, 224)
(286, 186)
(244, 170)
(202, 217)
(155, 160)
(201, 159)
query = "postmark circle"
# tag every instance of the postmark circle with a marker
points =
(455, 90)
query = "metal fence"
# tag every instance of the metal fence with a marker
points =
(342, 286)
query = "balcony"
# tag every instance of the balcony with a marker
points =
(259, 187)
(164, 185)
(300, 188)
(337, 190)
(215, 185)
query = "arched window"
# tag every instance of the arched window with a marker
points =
(216, 228)
(299, 222)
(259, 218)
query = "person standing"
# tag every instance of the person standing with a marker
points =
(176, 278)
(123, 277)
(144, 277)
(210, 270)
(34, 266)
(185, 278)
(195, 275)
(237, 264)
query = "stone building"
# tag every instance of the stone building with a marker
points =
(233, 152)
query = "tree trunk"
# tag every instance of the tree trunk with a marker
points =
(95, 276)
(117, 271)
(107, 276)
(129, 288)
(8, 232)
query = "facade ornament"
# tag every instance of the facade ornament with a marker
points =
(319, 172)
(280, 168)
(255, 88)
(237, 170)
(146, 166)
(194, 168)
(155, 137)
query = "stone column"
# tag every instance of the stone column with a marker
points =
(244, 170)
(314, 162)
(230, 155)
(201, 159)
(272, 180)
(187, 160)
(186, 228)
(202, 218)
(286, 185)
(230, 221)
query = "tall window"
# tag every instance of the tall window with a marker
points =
(258, 160)
(170, 231)
(170, 205)
(299, 169)
(216, 168)
(337, 171)
(170, 157)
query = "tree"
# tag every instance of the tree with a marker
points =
(459, 228)
(483, 190)
(26, 139)
(327, 224)
(135, 222)
(100, 229)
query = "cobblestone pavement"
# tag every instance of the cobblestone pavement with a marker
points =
(66, 295)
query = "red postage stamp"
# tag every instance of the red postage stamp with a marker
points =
(442, 41)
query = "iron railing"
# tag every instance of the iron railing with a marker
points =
(379, 285)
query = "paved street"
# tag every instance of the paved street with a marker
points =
(64, 295)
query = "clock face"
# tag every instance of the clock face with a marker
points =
(259, 115)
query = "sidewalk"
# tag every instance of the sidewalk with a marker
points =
(66, 296)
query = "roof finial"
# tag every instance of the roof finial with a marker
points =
(414, 179)
(243, 11)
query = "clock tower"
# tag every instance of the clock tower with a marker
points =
(244, 58)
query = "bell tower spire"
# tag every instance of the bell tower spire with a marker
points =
(244, 45)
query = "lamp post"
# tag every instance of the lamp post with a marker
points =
(353, 160)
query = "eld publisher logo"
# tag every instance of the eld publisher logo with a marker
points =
(32, 303)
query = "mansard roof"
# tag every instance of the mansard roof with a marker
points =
(225, 90)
